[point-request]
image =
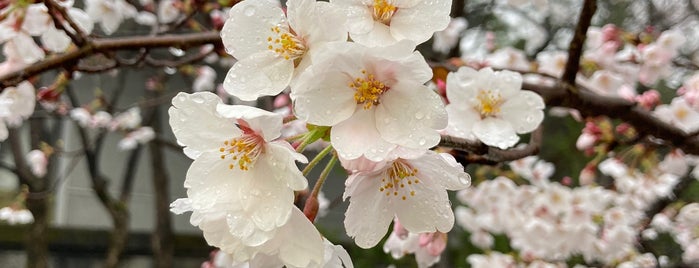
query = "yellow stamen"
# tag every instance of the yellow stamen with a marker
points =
(285, 43)
(396, 175)
(489, 103)
(368, 90)
(243, 150)
(383, 11)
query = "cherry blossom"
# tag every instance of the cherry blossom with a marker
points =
(16, 216)
(384, 22)
(446, 39)
(237, 163)
(272, 47)
(679, 114)
(373, 97)
(412, 190)
(109, 13)
(489, 106)
(38, 162)
(16, 104)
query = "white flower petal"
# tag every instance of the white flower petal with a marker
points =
(36, 20)
(248, 26)
(410, 115)
(281, 155)
(266, 123)
(325, 100)
(26, 48)
(496, 132)
(367, 217)
(443, 169)
(463, 86)
(55, 40)
(419, 22)
(429, 210)
(298, 243)
(523, 111)
(358, 136)
(380, 35)
(196, 124)
(81, 19)
(181, 205)
(260, 74)
(210, 181)
(461, 120)
(264, 194)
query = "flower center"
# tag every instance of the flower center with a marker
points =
(398, 179)
(368, 90)
(489, 103)
(383, 11)
(681, 113)
(242, 151)
(285, 43)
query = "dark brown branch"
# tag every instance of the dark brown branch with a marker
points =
(592, 104)
(77, 35)
(70, 59)
(477, 152)
(578, 41)
(23, 173)
(130, 174)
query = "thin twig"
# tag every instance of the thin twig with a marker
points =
(578, 41)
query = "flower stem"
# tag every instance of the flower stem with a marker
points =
(323, 175)
(295, 137)
(305, 142)
(316, 159)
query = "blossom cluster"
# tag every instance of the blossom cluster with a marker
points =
(548, 223)
(367, 96)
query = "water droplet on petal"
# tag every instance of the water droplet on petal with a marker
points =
(249, 11)
(465, 179)
(419, 115)
(422, 142)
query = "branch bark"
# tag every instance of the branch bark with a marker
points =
(578, 41)
(70, 59)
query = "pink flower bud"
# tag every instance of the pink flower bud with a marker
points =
(587, 175)
(586, 141)
(648, 99)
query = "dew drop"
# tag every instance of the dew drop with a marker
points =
(249, 11)
(465, 179)
(419, 115)
(422, 141)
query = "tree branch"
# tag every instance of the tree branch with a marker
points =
(578, 41)
(70, 59)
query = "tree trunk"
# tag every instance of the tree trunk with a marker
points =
(119, 237)
(37, 239)
(162, 240)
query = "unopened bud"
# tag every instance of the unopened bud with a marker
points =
(311, 208)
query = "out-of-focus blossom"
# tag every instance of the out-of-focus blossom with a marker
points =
(206, 78)
(109, 13)
(385, 22)
(446, 39)
(679, 114)
(16, 216)
(38, 161)
(491, 107)
(141, 135)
